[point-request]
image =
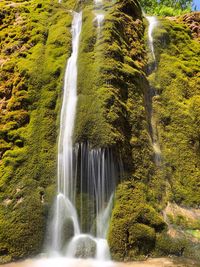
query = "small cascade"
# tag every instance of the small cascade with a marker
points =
(152, 93)
(64, 208)
(86, 180)
(99, 14)
(96, 175)
(103, 219)
(99, 18)
(152, 24)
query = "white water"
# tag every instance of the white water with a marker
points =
(68, 112)
(103, 219)
(97, 2)
(99, 17)
(97, 177)
(99, 14)
(155, 143)
(65, 201)
(85, 175)
(152, 25)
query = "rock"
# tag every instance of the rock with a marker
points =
(193, 22)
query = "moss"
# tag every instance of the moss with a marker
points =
(112, 112)
(32, 74)
(194, 233)
(176, 72)
(110, 102)
(183, 219)
(171, 108)
(165, 245)
(133, 226)
(141, 238)
(177, 68)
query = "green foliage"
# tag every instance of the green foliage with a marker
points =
(166, 7)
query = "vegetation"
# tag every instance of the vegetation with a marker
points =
(166, 7)
(177, 84)
(134, 223)
(34, 38)
(112, 112)
(112, 66)
(176, 81)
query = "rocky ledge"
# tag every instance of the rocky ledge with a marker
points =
(193, 22)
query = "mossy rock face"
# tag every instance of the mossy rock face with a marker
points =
(36, 42)
(141, 239)
(176, 81)
(32, 73)
(166, 245)
(110, 100)
(134, 223)
(177, 245)
(183, 218)
(112, 112)
(111, 84)
(177, 84)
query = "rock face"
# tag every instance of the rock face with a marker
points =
(193, 22)
(112, 112)
(35, 42)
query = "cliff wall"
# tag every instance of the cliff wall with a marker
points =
(112, 112)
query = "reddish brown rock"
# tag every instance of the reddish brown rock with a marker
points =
(193, 22)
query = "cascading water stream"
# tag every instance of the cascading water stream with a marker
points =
(65, 201)
(153, 127)
(99, 15)
(152, 24)
(96, 178)
(86, 180)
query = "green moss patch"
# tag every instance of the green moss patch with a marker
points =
(36, 42)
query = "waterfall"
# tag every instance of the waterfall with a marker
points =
(86, 180)
(64, 209)
(152, 24)
(153, 126)
(97, 173)
(99, 15)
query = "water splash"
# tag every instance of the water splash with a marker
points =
(68, 262)
(98, 2)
